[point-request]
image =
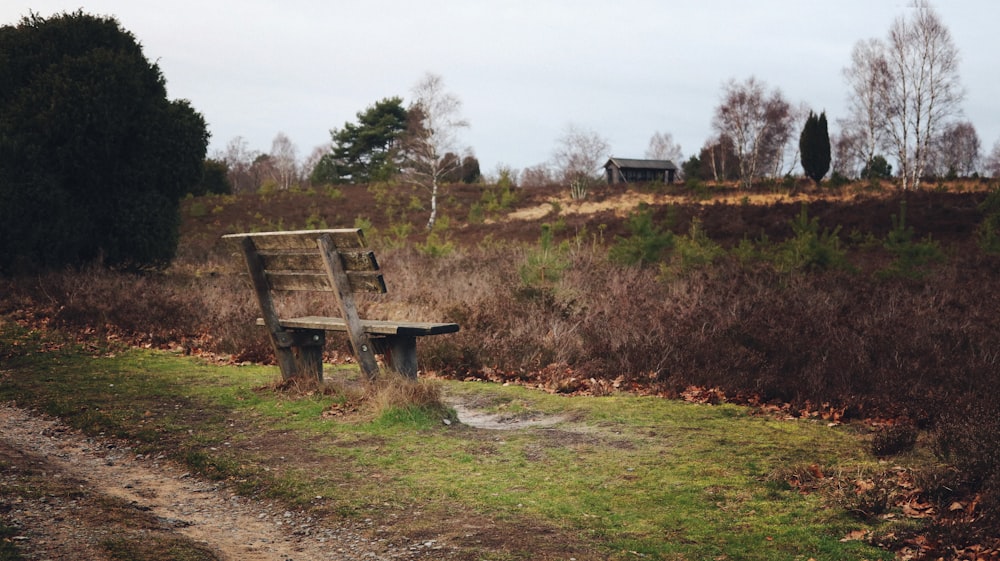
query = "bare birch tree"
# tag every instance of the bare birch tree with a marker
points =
(992, 164)
(284, 163)
(311, 161)
(239, 160)
(757, 122)
(434, 124)
(848, 153)
(956, 150)
(784, 153)
(579, 154)
(663, 147)
(924, 90)
(868, 79)
(718, 156)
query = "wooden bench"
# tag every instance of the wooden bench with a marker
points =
(336, 261)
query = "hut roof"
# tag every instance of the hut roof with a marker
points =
(629, 163)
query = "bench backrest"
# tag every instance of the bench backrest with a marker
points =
(294, 260)
(331, 260)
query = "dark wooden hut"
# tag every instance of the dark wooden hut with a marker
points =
(625, 170)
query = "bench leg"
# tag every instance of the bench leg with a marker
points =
(400, 353)
(300, 354)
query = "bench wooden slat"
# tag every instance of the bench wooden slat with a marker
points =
(311, 260)
(346, 238)
(320, 281)
(374, 327)
(335, 261)
(361, 344)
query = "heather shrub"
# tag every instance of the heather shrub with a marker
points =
(866, 496)
(142, 309)
(550, 309)
(893, 439)
(229, 311)
(988, 232)
(966, 436)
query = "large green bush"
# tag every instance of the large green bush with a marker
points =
(93, 156)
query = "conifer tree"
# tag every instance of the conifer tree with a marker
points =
(94, 158)
(814, 147)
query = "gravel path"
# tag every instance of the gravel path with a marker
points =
(57, 526)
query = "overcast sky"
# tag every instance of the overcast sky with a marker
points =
(523, 69)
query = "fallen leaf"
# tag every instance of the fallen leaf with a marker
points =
(863, 486)
(854, 536)
(917, 510)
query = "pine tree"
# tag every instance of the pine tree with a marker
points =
(814, 146)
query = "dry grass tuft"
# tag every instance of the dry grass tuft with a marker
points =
(358, 398)
(394, 391)
(300, 386)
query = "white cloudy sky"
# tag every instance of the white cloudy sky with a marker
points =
(524, 69)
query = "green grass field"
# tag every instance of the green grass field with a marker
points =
(622, 477)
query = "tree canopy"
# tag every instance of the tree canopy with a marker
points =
(758, 123)
(93, 156)
(905, 90)
(814, 147)
(362, 151)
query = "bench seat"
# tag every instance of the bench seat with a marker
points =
(371, 326)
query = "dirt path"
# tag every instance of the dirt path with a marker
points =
(71, 497)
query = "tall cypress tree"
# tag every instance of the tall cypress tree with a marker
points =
(814, 147)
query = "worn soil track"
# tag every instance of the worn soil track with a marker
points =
(68, 496)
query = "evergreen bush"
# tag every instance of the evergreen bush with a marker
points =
(647, 243)
(94, 158)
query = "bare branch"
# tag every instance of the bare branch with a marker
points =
(663, 147)
(924, 91)
(579, 153)
(759, 125)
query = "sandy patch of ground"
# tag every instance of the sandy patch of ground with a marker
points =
(625, 203)
(479, 419)
(68, 495)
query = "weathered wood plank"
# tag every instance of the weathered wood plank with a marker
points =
(284, 355)
(304, 260)
(287, 281)
(299, 260)
(346, 238)
(371, 326)
(319, 281)
(400, 354)
(360, 343)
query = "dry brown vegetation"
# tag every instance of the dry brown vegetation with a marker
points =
(868, 337)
